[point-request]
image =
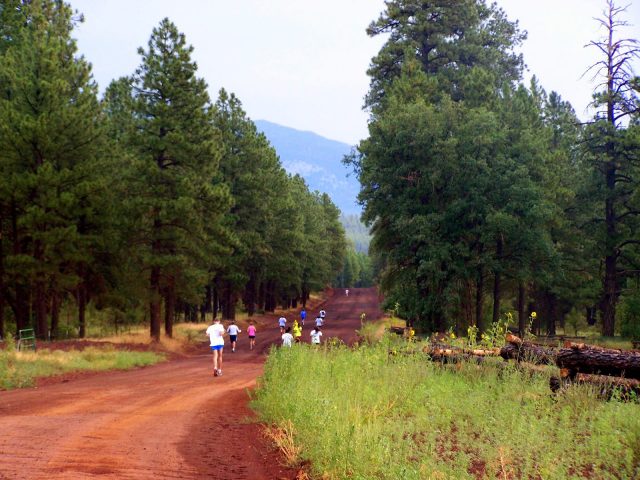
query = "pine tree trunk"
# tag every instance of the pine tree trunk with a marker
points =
(522, 320)
(2, 299)
(552, 309)
(467, 307)
(215, 301)
(249, 297)
(169, 307)
(496, 282)
(154, 303)
(479, 298)
(40, 309)
(82, 308)
(55, 314)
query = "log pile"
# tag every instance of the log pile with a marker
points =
(519, 350)
(448, 354)
(608, 370)
(581, 358)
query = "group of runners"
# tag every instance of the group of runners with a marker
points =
(293, 334)
(289, 335)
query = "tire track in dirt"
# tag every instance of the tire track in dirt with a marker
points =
(172, 420)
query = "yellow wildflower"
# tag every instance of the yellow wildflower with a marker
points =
(533, 315)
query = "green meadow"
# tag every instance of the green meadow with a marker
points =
(20, 369)
(366, 413)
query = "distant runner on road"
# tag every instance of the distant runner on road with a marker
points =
(323, 314)
(346, 292)
(233, 330)
(319, 321)
(283, 323)
(251, 331)
(303, 315)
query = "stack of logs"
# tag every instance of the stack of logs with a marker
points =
(607, 369)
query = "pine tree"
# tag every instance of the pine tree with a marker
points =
(180, 200)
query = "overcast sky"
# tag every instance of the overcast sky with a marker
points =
(302, 63)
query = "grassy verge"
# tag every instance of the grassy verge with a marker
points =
(20, 369)
(363, 414)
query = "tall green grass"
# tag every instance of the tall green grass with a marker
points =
(20, 369)
(365, 414)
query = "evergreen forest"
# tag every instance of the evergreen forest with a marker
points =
(486, 194)
(152, 202)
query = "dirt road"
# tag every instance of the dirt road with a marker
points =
(173, 420)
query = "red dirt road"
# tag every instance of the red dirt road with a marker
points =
(172, 420)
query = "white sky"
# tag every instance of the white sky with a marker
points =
(302, 63)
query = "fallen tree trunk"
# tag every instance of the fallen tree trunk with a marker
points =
(580, 358)
(447, 354)
(624, 388)
(521, 351)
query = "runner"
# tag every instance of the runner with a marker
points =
(303, 315)
(233, 332)
(297, 331)
(323, 314)
(315, 336)
(287, 338)
(216, 335)
(283, 323)
(319, 321)
(251, 331)
(346, 292)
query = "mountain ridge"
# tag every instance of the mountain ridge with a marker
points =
(318, 160)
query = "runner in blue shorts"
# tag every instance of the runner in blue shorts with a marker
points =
(216, 335)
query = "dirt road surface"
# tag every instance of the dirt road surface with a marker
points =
(172, 420)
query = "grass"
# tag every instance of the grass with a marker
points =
(20, 369)
(364, 414)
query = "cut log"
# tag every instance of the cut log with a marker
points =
(525, 351)
(625, 388)
(580, 358)
(448, 354)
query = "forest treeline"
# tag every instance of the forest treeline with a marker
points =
(486, 195)
(152, 198)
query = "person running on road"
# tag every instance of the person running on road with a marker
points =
(233, 330)
(323, 314)
(346, 292)
(251, 331)
(319, 321)
(287, 338)
(216, 336)
(303, 315)
(297, 331)
(283, 323)
(316, 333)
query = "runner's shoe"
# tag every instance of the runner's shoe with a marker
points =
(219, 372)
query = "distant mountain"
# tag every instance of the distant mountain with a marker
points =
(318, 160)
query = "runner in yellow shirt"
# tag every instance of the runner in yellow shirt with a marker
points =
(297, 331)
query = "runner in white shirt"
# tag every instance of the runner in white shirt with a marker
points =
(287, 338)
(283, 323)
(315, 336)
(233, 330)
(319, 321)
(216, 336)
